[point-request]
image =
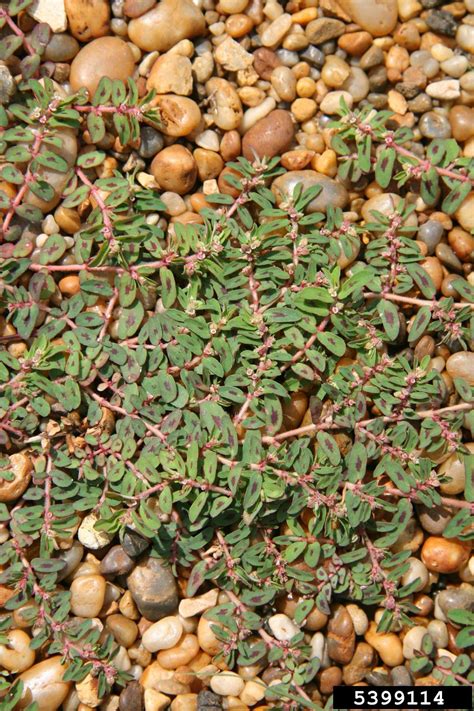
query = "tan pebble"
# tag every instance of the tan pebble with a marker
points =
(88, 691)
(88, 19)
(275, 32)
(163, 680)
(412, 641)
(465, 213)
(378, 17)
(303, 109)
(461, 365)
(331, 102)
(175, 169)
(434, 269)
(207, 639)
(230, 145)
(171, 73)
(43, 683)
(397, 102)
(155, 700)
(163, 634)
(21, 466)
(284, 82)
(179, 116)
(227, 684)
(359, 619)
(454, 471)
(387, 645)
(209, 164)
(185, 702)
(232, 56)
(87, 67)
(238, 26)
(70, 285)
(124, 630)
(323, 29)
(253, 692)
(166, 24)
(225, 107)
(355, 43)
(16, 655)
(67, 219)
(182, 653)
(87, 595)
(128, 607)
(462, 243)
(444, 555)
(197, 605)
(335, 71)
(297, 159)
(416, 570)
(304, 16)
(326, 163)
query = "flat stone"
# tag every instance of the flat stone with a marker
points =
(332, 193)
(52, 12)
(208, 701)
(154, 589)
(324, 29)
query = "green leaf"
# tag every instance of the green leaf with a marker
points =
(390, 318)
(456, 197)
(334, 343)
(168, 287)
(384, 166)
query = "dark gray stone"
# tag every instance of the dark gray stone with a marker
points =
(443, 22)
(151, 142)
(401, 676)
(153, 588)
(131, 697)
(133, 544)
(431, 233)
(456, 599)
(208, 701)
(116, 562)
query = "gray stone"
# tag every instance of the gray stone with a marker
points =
(456, 599)
(443, 22)
(133, 544)
(313, 55)
(7, 84)
(209, 701)
(447, 257)
(151, 142)
(71, 557)
(434, 125)
(431, 233)
(153, 588)
(116, 562)
(401, 676)
(61, 48)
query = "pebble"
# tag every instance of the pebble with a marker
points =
(166, 24)
(208, 701)
(462, 243)
(171, 73)
(340, 636)
(43, 683)
(275, 32)
(21, 466)
(227, 684)
(416, 570)
(331, 103)
(87, 67)
(88, 19)
(87, 595)
(16, 654)
(378, 17)
(324, 29)
(386, 644)
(164, 634)
(332, 192)
(412, 641)
(434, 519)
(61, 48)
(179, 116)
(438, 632)
(456, 599)
(232, 56)
(434, 125)
(461, 119)
(153, 588)
(133, 544)
(461, 365)
(197, 605)
(163, 680)
(52, 12)
(282, 627)
(131, 697)
(284, 82)
(446, 89)
(116, 562)
(270, 136)
(447, 257)
(444, 555)
(155, 700)
(431, 233)
(360, 664)
(175, 169)
(125, 631)
(465, 37)
(465, 213)
(226, 107)
(151, 142)
(90, 537)
(401, 676)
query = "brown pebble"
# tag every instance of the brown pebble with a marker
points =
(444, 555)
(270, 136)
(433, 268)
(341, 636)
(355, 43)
(174, 168)
(88, 19)
(462, 243)
(230, 145)
(264, 62)
(112, 53)
(461, 119)
(70, 285)
(330, 677)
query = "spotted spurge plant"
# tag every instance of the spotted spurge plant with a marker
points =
(173, 424)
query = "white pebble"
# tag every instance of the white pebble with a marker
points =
(455, 66)
(282, 627)
(465, 37)
(318, 646)
(446, 89)
(208, 139)
(49, 225)
(412, 641)
(276, 30)
(331, 102)
(254, 114)
(163, 634)
(227, 684)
